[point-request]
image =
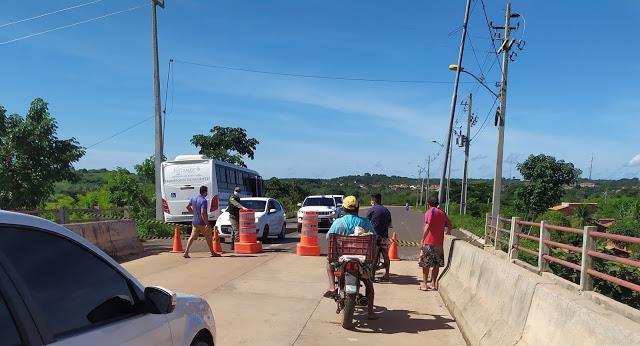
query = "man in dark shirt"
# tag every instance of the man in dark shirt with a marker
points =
(234, 216)
(380, 218)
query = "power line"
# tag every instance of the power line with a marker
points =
(121, 132)
(74, 24)
(484, 122)
(50, 13)
(493, 43)
(286, 74)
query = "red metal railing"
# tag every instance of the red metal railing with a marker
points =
(495, 229)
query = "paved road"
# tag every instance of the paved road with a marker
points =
(275, 298)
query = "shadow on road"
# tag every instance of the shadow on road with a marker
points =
(401, 321)
(150, 249)
(395, 279)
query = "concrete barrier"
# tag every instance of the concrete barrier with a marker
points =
(498, 303)
(118, 238)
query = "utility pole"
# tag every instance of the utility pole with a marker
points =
(159, 150)
(420, 170)
(426, 197)
(591, 167)
(465, 141)
(454, 100)
(505, 48)
(446, 206)
(421, 190)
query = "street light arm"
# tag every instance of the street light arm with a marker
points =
(481, 82)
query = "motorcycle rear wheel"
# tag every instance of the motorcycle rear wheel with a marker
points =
(347, 311)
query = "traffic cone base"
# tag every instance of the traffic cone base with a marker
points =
(307, 250)
(177, 242)
(246, 248)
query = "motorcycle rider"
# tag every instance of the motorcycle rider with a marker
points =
(347, 225)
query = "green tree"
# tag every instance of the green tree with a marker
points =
(545, 178)
(33, 157)
(227, 144)
(147, 170)
(125, 190)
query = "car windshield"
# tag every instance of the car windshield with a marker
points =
(319, 201)
(253, 204)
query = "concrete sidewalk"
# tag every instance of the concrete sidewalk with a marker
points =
(276, 299)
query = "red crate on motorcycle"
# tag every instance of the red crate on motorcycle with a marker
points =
(339, 245)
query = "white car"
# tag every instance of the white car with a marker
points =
(270, 218)
(324, 205)
(56, 288)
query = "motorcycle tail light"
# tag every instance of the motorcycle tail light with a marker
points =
(338, 273)
(352, 267)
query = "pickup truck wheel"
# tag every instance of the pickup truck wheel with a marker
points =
(265, 233)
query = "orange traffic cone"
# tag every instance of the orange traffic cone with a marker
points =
(217, 248)
(393, 249)
(308, 245)
(177, 242)
(248, 242)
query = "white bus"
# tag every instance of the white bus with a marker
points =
(181, 179)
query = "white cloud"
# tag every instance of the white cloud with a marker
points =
(635, 161)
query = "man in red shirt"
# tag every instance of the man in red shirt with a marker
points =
(436, 224)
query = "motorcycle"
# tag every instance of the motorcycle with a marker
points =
(352, 255)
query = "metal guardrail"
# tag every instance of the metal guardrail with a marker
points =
(588, 251)
(76, 215)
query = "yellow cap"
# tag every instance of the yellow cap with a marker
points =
(350, 203)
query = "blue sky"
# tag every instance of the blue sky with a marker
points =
(572, 90)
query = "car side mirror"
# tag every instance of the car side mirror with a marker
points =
(272, 211)
(299, 204)
(339, 205)
(159, 300)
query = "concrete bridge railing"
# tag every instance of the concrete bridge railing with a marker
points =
(498, 303)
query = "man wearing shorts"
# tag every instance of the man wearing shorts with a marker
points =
(200, 223)
(436, 224)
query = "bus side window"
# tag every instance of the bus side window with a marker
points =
(220, 175)
(232, 177)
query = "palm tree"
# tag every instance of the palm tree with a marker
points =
(583, 214)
